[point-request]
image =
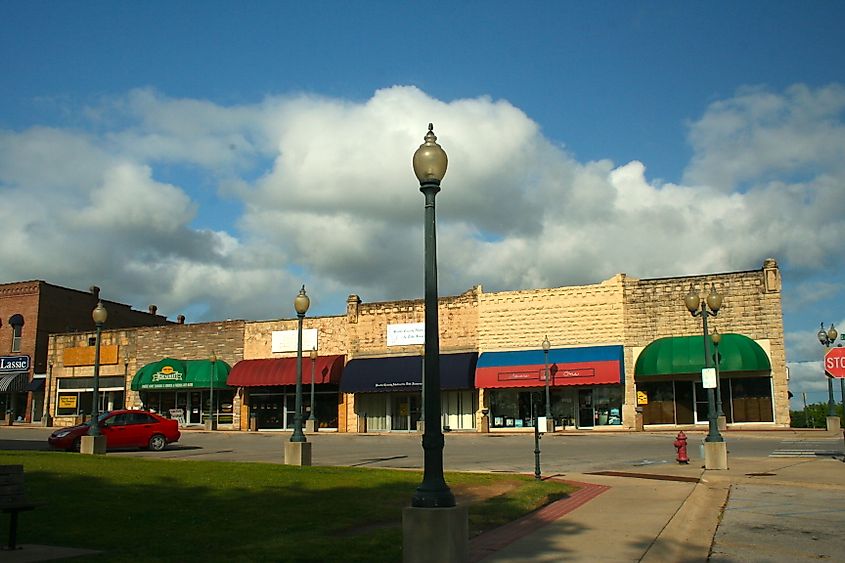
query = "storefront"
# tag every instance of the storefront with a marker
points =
(74, 396)
(187, 390)
(14, 381)
(388, 392)
(270, 390)
(668, 380)
(586, 386)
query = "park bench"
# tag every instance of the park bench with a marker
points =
(13, 498)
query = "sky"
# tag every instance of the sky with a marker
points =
(211, 157)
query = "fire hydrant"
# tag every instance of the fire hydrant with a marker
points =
(681, 445)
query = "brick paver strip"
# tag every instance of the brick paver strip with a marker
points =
(494, 540)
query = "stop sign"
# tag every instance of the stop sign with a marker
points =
(834, 362)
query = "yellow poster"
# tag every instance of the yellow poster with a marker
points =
(642, 398)
(403, 409)
(67, 401)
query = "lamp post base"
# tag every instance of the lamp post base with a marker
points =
(92, 445)
(833, 424)
(550, 425)
(715, 455)
(421, 426)
(722, 423)
(435, 534)
(312, 425)
(485, 423)
(297, 453)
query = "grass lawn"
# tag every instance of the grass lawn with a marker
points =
(137, 509)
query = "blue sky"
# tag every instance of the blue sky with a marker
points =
(212, 156)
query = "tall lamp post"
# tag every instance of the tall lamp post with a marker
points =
(298, 449)
(827, 338)
(301, 304)
(550, 423)
(717, 360)
(95, 442)
(211, 425)
(449, 522)
(430, 162)
(311, 423)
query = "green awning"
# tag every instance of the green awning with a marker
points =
(181, 374)
(685, 355)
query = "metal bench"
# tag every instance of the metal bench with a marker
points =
(13, 498)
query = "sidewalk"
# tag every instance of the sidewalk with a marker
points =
(761, 509)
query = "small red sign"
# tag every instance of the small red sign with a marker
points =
(834, 362)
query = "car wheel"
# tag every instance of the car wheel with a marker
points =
(157, 442)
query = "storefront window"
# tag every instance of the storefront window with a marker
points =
(608, 405)
(751, 399)
(514, 408)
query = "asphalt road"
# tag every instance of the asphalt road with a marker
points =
(560, 453)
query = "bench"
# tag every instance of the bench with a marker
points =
(13, 498)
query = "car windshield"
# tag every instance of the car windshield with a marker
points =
(100, 418)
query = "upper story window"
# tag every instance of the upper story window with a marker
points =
(16, 322)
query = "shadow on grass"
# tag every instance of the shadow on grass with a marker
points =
(165, 510)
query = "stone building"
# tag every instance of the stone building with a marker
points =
(620, 353)
(29, 312)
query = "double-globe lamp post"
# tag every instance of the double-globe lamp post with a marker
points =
(704, 308)
(827, 338)
(99, 314)
(430, 162)
(300, 304)
(312, 418)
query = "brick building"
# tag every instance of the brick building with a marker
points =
(29, 312)
(616, 349)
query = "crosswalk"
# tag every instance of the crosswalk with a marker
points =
(819, 447)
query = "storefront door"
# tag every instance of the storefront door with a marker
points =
(586, 414)
(405, 412)
(194, 407)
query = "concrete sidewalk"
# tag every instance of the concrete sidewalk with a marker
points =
(761, 509)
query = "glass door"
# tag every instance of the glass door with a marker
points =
(586, 413)
(700, 403)
(195, 407)
(400, 413)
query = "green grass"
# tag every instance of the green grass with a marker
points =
(167, 510)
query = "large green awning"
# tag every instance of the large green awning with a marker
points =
(685, 354)
(181, 374)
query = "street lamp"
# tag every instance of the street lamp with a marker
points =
(301, 304)
(430, 162)
(99, 314)
(717, 339)
(546, 347)
(312, 419)
(211, 425)
(537, 474)
(704, 308)
(827, 338)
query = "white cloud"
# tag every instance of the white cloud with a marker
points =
(321, 191)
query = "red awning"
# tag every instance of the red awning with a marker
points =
(282, 371)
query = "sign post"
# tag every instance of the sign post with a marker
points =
(834, 362)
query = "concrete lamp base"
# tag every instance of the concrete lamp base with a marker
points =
(833, 424)
(722, 423)
(715, 455)
(297, 453)
(435, 534)
(550, 426)
(312, 426)
(92, 445)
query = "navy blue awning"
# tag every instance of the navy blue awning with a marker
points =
(404, 373)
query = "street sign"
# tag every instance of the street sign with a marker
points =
(708, 378)
(834, 362)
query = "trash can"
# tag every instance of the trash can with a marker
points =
(362, 424)
(253, 423)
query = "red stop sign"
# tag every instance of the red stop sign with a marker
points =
(834, 362)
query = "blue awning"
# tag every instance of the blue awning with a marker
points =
(586, 365)
(404, 373)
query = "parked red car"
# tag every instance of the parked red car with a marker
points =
(122, 429)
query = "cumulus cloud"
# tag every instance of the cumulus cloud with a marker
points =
(318, 190)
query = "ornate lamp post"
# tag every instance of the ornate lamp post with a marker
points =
(717, 339)
(550, 423)
(301, 304)
(433, 512)
(211, 425)
(430, 162)
(99, 314)
(704, 308)
(827, 338)
(94, 442)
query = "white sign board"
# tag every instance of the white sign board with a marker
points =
(285, 340)
(405, 334)
(541, 423)
(708, 378)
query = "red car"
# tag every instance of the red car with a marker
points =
(122, 429)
